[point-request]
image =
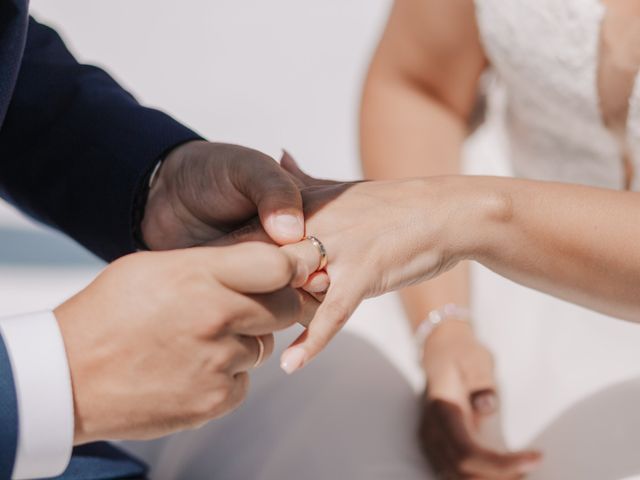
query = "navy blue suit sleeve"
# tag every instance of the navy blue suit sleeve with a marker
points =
(75, 146)
(8, 415)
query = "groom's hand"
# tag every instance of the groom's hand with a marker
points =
(162, 341)
(205, 190)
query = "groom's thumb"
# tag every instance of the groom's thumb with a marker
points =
(278, 201)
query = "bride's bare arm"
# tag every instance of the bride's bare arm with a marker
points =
(414, 120)
(574, 242)
(418, 98)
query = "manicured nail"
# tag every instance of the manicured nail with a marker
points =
(292, 359)
(288, 225)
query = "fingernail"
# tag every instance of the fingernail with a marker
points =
(292, 359)
(290, 226)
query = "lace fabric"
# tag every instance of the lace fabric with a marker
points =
(545, 54)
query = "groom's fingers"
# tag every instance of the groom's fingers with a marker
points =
(308, 255)
(250, 267)
(341, 301)
(277, 198)
(304, 253)
(300, 177)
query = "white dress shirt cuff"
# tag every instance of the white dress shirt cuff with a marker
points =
(45, 399)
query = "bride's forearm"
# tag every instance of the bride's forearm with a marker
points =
(574, 242)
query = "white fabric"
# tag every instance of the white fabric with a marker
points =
(546, 55)
(569, 378)
(349, 415)
(45, 401)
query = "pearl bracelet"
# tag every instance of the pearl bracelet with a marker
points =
(435, 318)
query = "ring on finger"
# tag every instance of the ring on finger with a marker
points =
(261, 350)
(324, 259)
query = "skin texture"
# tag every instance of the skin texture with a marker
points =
(182, 340)
(460, 398)
(571, 241)
(163, 341)
(619, 60)
(418, 100)
(205, 190)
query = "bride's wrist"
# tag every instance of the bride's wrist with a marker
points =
(449, 318)
(477, 206)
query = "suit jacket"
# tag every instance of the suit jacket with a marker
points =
(74, 149)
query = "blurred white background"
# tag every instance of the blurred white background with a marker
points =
(285, 73)
(266, 74)
(269, 75)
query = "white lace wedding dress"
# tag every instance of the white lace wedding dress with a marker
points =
(570, 378)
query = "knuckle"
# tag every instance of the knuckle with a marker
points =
(338, 312)
(216, 315)
(188, 278)
(218, 323)
(271, 259)
(216, 401)
(135, 265)
(221, 359)
(129, 260)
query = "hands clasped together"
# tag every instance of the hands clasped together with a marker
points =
(379, 237)
(193, 321)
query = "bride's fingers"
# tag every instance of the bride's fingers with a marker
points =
(300, 177)
(290, 165)
(318, 282)
(340, 302)
(317, 285)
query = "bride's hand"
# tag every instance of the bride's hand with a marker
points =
(379, 237)
(460, 401)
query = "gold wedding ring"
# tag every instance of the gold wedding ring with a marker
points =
(260, 352)
(321, 250)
